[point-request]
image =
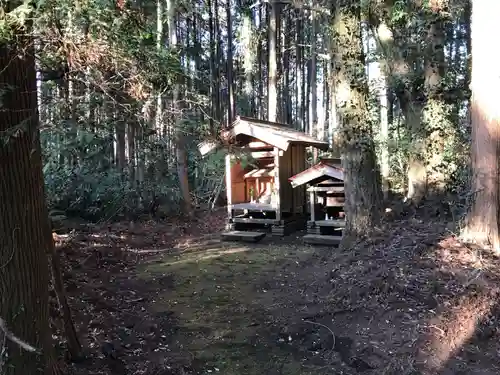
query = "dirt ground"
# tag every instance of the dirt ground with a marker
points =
(170, 298)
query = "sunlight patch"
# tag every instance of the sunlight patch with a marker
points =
(451, 330)
(209, 254)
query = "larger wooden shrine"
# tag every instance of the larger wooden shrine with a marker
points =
(260, 198)
(325, 182)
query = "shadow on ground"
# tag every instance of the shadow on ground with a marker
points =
(412, 300)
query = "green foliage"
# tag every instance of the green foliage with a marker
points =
(13, 16)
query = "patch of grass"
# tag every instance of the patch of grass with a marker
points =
(221, 299)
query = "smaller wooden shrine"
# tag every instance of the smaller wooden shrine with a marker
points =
(325, 182)
(263, 156)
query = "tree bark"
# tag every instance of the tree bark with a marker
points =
(230, 83)
(24, 227)
(181, 154)
(213, 70)
(272, 106)
(482, 219)
(439, 129)
(361, 179)
(313, 87)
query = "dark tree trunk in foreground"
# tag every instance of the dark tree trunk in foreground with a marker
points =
(25, 234)
(362, 182)
(482, 219)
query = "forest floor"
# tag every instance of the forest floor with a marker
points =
(170, 298)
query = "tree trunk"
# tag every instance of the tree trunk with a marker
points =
(218, 55)
(384, 135)
(230, 83)
(361, 179)
(272, 95)
(313, 118)
(482, 219)
(24, 227)
(439, 129)
(287, 86)
(180, 147)
(213, 71)
(248, 65)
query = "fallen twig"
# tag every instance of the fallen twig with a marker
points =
(324, 326)
(9, 335)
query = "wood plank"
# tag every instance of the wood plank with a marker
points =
(252, 220)
(331, 223)
(318, 239)
(257, 145)
(335, 205)
(333, 189)
(262, 154)
(242, 236)
(254, 207)
(259, 173)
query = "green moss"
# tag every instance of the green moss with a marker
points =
(220, 300)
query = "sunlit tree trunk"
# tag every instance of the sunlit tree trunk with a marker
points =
(384, 135)
(482, 219)
(248, 61)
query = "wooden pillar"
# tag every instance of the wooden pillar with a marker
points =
(312, 197)
(229, 187)
(277, 182)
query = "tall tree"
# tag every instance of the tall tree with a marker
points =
(181, 154)
(482, 219)
(25, 236)
(362, 182)
(436, 115)
(272, 95)
(230, 82)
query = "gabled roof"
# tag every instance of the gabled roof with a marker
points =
(273, 133)
(324, 170)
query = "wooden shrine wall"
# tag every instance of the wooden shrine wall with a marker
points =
(292, 162)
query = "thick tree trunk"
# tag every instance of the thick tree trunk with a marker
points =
(24, 227)
(439, 129)
(362, 182)
(482, 219)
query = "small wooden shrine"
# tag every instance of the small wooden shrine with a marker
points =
(325, 182)
(262, 157)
